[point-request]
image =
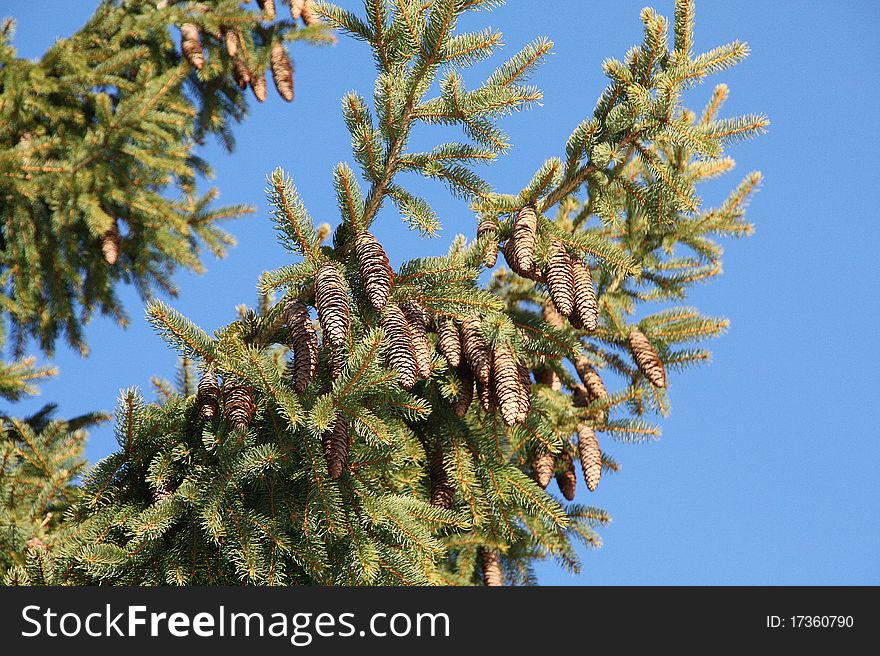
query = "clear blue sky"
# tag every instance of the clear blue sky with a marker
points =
(767, 471)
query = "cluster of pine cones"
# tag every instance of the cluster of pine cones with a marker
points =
(245, 73)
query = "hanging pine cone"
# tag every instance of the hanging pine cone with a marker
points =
(466, 395)
(523, 237)
(208, 396)
(231, 39)
(111, 244)
(242, 74)
(491, 564)
(375, 269)
(646, 358)
(258, 85)
(191, 45)
(525, 394)
(442, 493)
(332, 303)
(532, 272)
(505, 377)
(417, 319)
(543, 465)
(546, 376)
(238, 405)
(296, 9)
(591, 379)
(565, 477)
(586, 309)
(552, 316)
(487, 399)
(282, 71)
(308, 13)
(560, 280)
(268, 7)
(485, 227)
(399, 355)
(336, 364)
(590, 456)
(476, 350)
(303, 341)
(449, 341)
(335, 443)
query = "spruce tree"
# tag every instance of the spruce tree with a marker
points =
(403, 432)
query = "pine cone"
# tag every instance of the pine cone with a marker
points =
(476, 350)
(487, 226)
(560, 280)
(282, 71)
(296, 9)
(303, 340)
(268, 7)
(565, 477)
(532, 273)
(308, 13)
(258, 85)
(591, 379)
(586, 309)
(231, 38)
(491, 563)
(590, 456)
(399, 354)
(335, 443)
(523, 237)
(543, 465)
(525, 394)
(546, 376)
(646, 358)
(242, 74)
(552, 316)
(418, 328)
(111, 244)
(331, 300)
(208, 396)
(487, 399)
(505, 377)
(442, 493)
(238, 405)
(449, 341)
(191, 45)
(463, 402)
(376, 272)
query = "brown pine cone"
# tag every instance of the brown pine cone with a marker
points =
(532, 272)
(303, 341)
(543, 465)
(590, 456)
(506, 383)
(417, 319)
(282, 71)
(525, 394)
(268, 7)
(208, 396)
(191, 45)
(231, 39)
(242, 74)
(591, 379)
(476, 350)
(238, 405)
(523, 238)
(399, 355)
(586, 309)
(331, 300)
(296, 9)
(565, 477)
(487, 226)
(335, 443)
(463, 402)
(491, 564)
(111, 244)
(449, 341)
(646, 358)
(560, 278)
(487, 399)
(258, 85)
(442, 493)
(309, 16)
(376, 273)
